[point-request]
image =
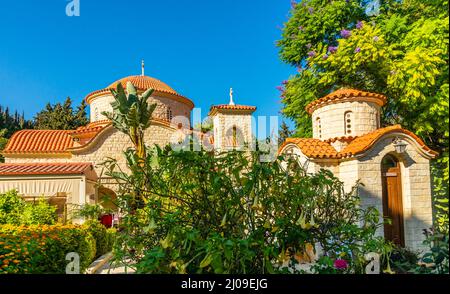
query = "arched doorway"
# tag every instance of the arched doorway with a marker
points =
(392, 200)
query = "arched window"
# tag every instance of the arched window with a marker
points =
(348, 122)
(318, 128)
(378, 120)
(234, 137)
(96, 114)
(169, 115)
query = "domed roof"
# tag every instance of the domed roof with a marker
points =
(142, 83)
(345, 94)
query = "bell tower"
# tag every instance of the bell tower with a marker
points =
(232, 125)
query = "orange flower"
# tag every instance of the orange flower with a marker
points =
(16, 261)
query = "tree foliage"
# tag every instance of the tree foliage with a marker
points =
(131, 114)
(400, 51)
(231, 213)
(10, 123)
(61, 116)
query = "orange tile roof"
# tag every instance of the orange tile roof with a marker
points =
(39, 141)
(363, 143)
(72, 168)
(315, 148)
(216, 108)
(142, 83)
(93, 128)
(346, 95)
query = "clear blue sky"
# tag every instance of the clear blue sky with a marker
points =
(198, 47)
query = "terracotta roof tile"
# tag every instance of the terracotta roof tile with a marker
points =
(346, 94)
(318, 149)
(39, 141)
(216, 108)
(313, 148)
(10, 169)
(362, 143)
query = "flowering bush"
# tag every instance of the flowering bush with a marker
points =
(43, 248)
(231, 213)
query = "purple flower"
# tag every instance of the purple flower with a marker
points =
(340, 264)
(293, 4)
(284, 82)
(359, 24)
(345, 33)
(280, 88)
(311, 53)
(357, 50)
(332, 49)
(300, 28)
(325, 57)
(308, 45)
(311, 10)
(376, 38)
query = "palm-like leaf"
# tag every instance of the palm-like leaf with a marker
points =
(131, 114)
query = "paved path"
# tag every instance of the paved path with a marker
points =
(114, 268)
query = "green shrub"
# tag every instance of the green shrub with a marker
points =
(40, 213)
(14, 210)
(43, 249)
(231, 213)
(111, 235)
(89, 211)
(104, 237)
(11, 208)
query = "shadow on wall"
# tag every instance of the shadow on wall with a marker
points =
(413, 226)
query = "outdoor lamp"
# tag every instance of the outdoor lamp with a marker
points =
(400, 145)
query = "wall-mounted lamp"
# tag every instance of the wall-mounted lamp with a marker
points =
(400, 145)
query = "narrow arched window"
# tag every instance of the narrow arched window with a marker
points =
(96, 114)
(169, 115)
(348, 122)
(235, 139)
(318, 128)
(378, 120)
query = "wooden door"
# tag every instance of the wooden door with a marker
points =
(392, 201)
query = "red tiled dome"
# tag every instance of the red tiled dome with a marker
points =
(143, 83)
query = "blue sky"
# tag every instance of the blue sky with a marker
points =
(201, 48)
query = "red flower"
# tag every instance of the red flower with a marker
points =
(340, 264)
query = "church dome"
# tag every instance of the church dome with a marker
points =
(142, 83)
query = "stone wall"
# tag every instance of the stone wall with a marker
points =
(103, 103)
(223, 128)
(348, 173)
(364, 118)
(416, 186)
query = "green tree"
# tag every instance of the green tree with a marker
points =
(10, 123)
(284, 133)
(61, 116)
(399, 49)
